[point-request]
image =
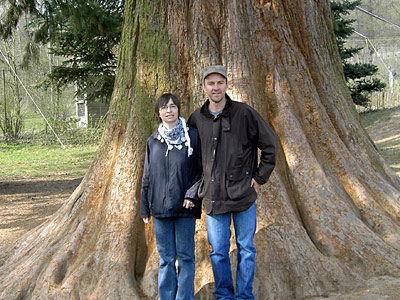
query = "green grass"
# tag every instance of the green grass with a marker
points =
(35, 161)
(372, 118)
(383, 126)
(33, 122)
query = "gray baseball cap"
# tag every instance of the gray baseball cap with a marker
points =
(214, 69)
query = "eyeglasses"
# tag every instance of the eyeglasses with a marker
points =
(170, 107)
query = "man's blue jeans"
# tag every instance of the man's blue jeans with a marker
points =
(175, 240)
(219, 233)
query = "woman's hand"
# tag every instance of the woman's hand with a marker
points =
(146, 220)
(188, 204)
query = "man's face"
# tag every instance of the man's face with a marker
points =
(215, 87)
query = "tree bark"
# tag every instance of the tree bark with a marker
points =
(328, 219)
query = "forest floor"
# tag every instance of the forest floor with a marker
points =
(26, 203)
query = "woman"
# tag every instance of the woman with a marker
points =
(170, 181)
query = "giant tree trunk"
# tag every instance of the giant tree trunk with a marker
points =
(327, 219)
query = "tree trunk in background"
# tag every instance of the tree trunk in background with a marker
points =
(329, 217)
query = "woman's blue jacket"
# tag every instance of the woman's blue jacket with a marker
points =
(169, 179)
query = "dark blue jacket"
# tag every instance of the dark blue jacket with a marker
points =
(168, 180)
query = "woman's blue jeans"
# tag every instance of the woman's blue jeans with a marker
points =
(175, 240)
(219, 233)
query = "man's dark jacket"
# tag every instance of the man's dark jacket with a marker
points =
(168, 180)
(229, 146)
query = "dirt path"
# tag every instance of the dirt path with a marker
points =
(24, 204)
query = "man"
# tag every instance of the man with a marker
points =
(231, 133)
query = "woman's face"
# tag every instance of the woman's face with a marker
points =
(169, 114)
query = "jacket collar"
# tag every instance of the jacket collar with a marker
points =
(225, 112)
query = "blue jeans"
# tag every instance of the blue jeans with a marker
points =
(219, 233)
(175, 240)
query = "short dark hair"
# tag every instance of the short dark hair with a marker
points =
(163, 100)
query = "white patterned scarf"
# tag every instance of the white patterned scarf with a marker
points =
(176, 137)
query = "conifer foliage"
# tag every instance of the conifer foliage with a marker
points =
(357, 75)
(85, 33)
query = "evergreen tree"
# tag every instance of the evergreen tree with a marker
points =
(358, 75)
(85, 33)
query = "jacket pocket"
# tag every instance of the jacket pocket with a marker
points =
(237, 183)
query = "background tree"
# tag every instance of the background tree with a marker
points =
(327, 220)
(380, 47)
(11, 116)
(57, 103)
(85, 33)
(357, 75)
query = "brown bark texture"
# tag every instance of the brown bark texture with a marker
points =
(329, 217)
